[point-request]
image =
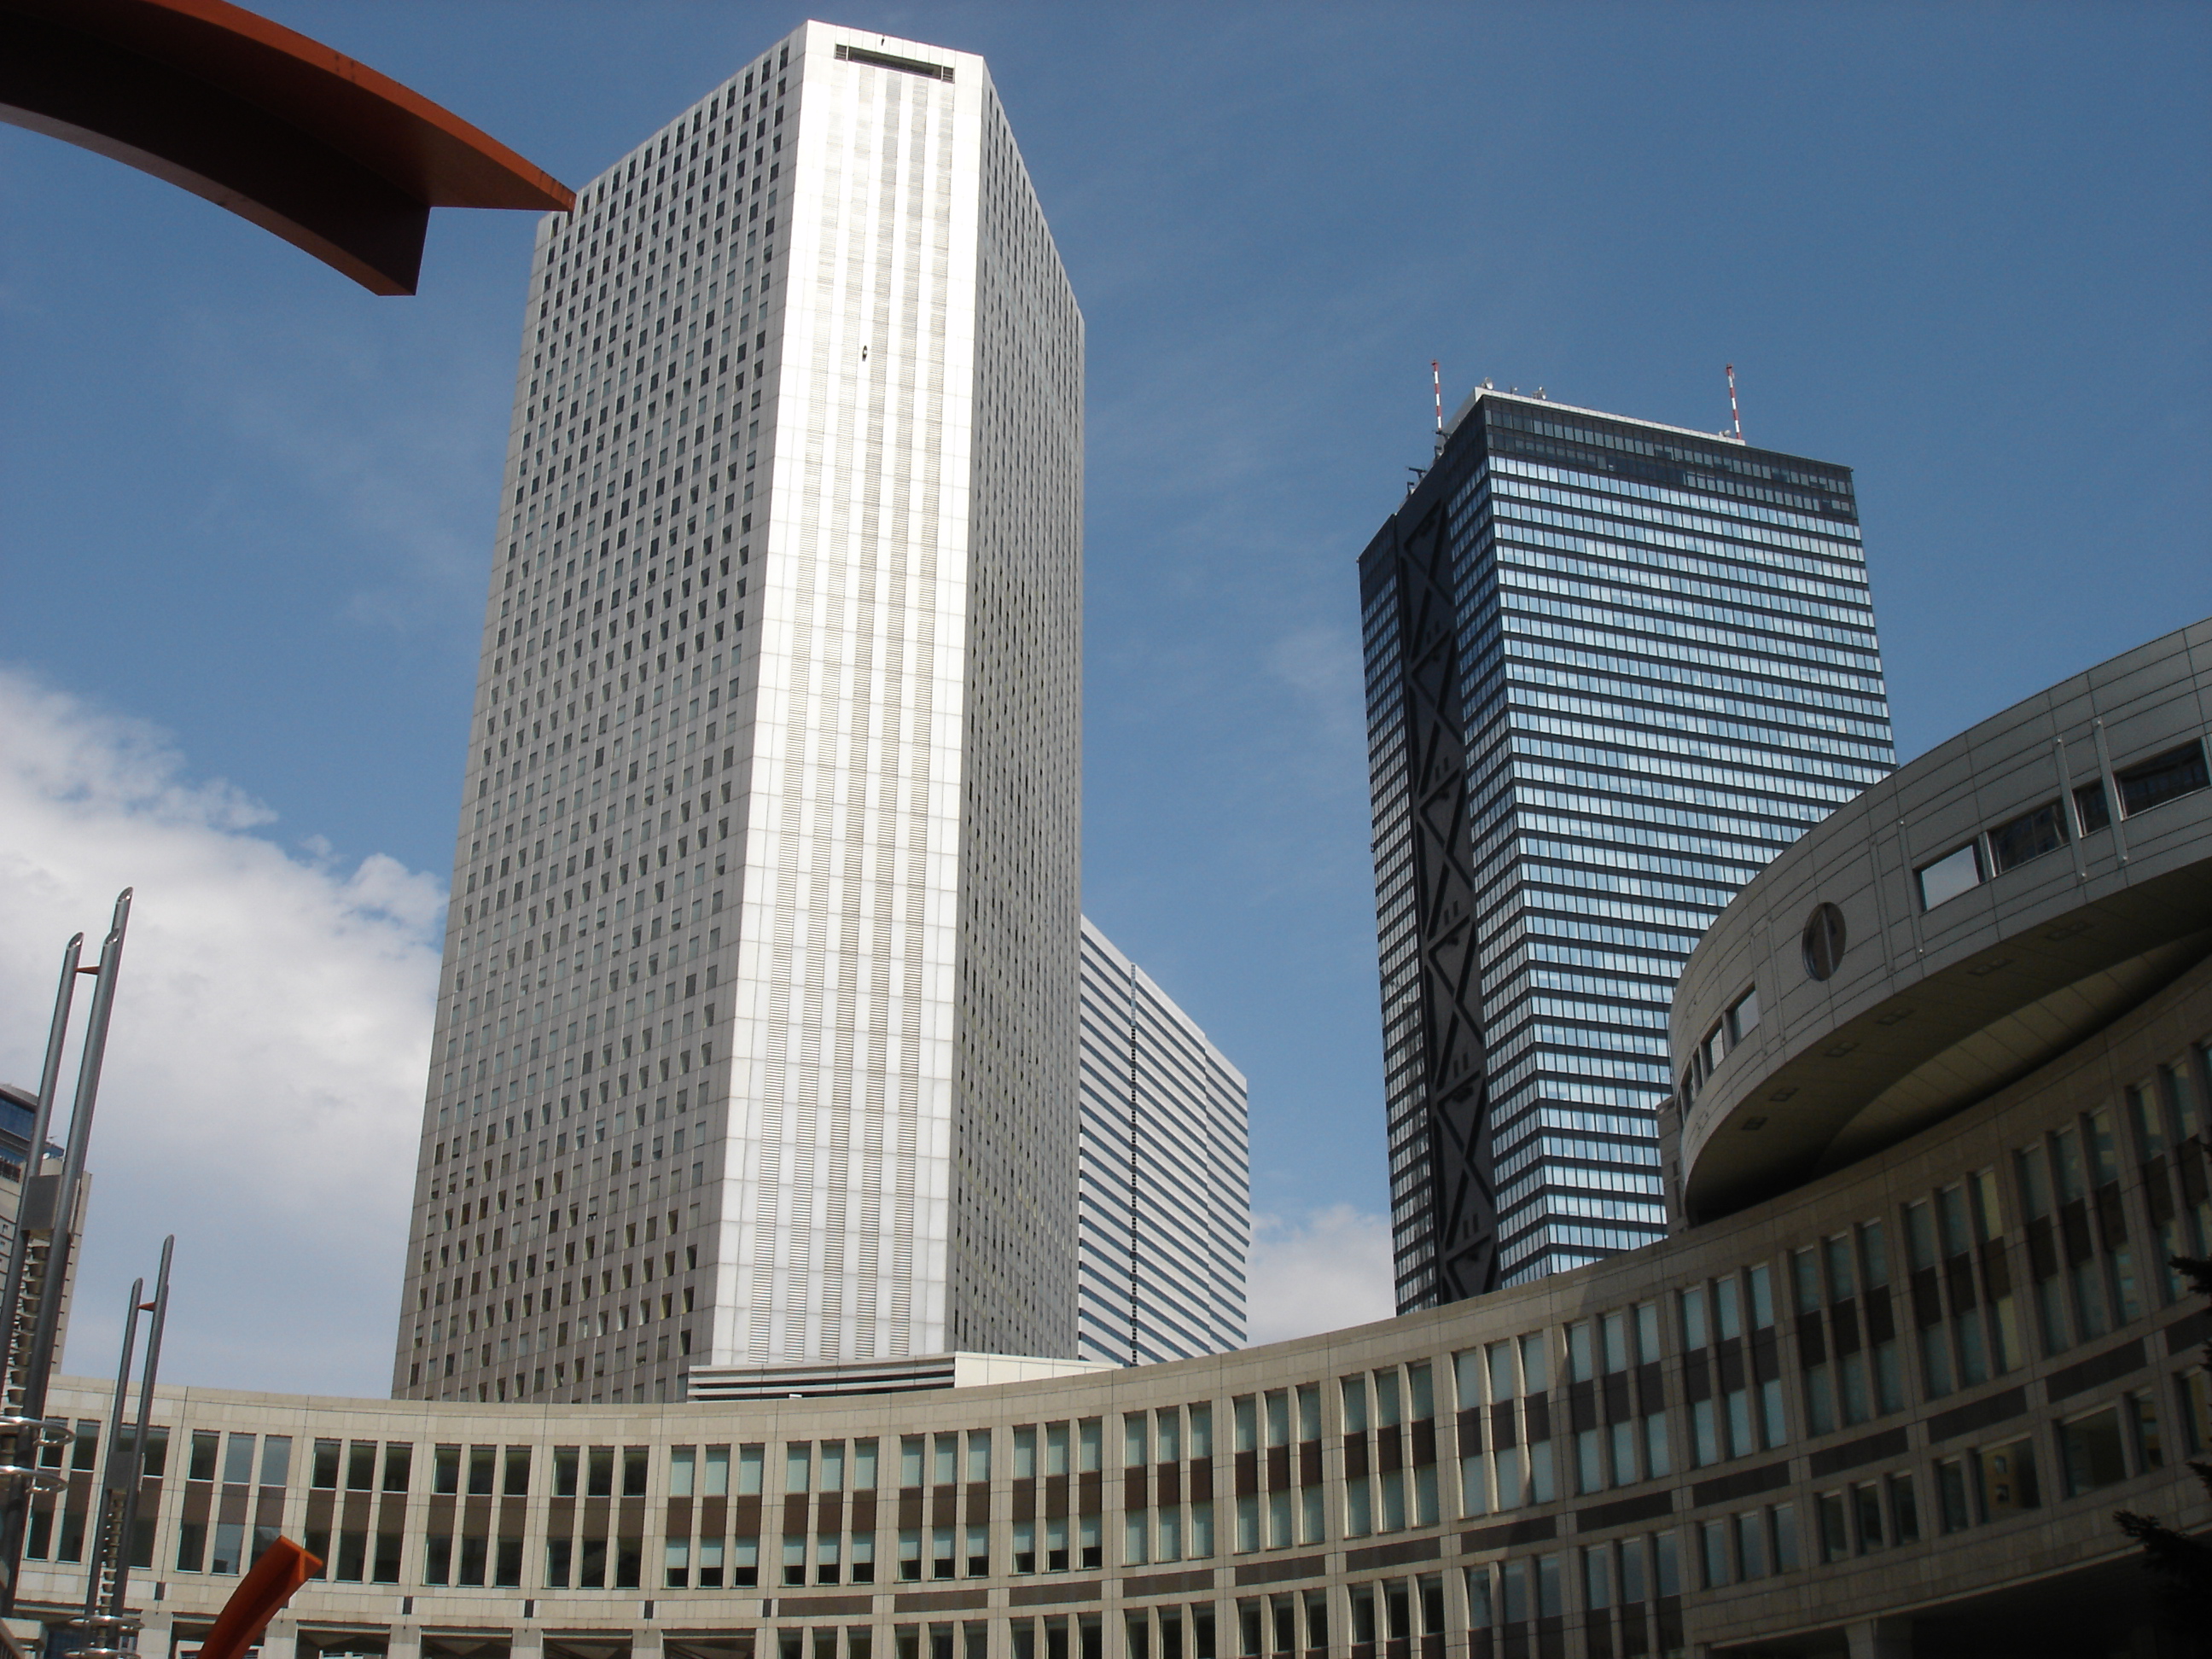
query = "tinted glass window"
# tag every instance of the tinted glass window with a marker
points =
(1957, 872)
(2162, 778)
(2090, 807)
(2027, 836)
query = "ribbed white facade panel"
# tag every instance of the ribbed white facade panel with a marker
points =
(837, 1211)
(1167, 1189)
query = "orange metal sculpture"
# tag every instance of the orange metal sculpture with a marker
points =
(326, 153)
(260, 1595)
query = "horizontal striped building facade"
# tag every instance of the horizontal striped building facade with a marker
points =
(1613, 668)
(1166, 1178)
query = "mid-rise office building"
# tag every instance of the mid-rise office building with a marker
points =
(761, 969)
(38, 1180)
(19, 1112)
(1166, 1194)
(1613, 667)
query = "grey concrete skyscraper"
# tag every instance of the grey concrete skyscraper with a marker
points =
(1167, 1174)
(1613, 668)
(761, 969)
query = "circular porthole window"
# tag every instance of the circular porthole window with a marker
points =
(1823, 940)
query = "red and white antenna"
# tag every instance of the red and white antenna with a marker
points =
(1735, 416)
(1437, 376)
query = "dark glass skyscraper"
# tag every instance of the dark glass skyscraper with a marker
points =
(1613, 668)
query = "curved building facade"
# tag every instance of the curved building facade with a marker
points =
(1936, 1135)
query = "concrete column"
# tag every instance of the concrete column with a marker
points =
(1881, 1639)
(405, 1641)
(281, 1639)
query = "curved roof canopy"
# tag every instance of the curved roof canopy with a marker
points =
(327, 154)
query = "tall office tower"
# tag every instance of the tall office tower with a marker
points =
(1613, 668)
(1167, 1174)
(762, 965)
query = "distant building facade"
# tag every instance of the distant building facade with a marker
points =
(1166, 1173)
(1613, 668)
(19, 1114)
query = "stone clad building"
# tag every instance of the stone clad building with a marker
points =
(1942, 1116)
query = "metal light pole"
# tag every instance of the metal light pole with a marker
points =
(112, 1632)
(38, 1367)
(31, 1312)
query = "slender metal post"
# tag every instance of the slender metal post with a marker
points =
(19, 1247)
(136, 1471)
(46, 1331)
(2070, 814)
(111, 1497)
(2111, 791)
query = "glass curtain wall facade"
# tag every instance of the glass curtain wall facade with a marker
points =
(1166, 1175)
(1613, 668)
(761, 965)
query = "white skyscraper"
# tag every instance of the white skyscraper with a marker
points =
(761, 969)
(1167, 1178)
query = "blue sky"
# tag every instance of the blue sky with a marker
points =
(1960, 249)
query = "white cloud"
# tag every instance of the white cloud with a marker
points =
(263, 1083)
(1324, 1271)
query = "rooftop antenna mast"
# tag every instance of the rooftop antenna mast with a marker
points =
(1437, 384)
(1735, 416)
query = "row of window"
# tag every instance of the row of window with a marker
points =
(2088, 1450)
(1957, 1316)
(1628, 1572)
(2163, 777)
(1708, 467)
(1740, 1019)
(1832, 545)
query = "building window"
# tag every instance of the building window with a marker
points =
(2008, 1479)
(1959, 871)
(1823, 942)
(2092, 812)
(2089, 1450)
(2162, 778)
(1742, 1016)
(2030, 836)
